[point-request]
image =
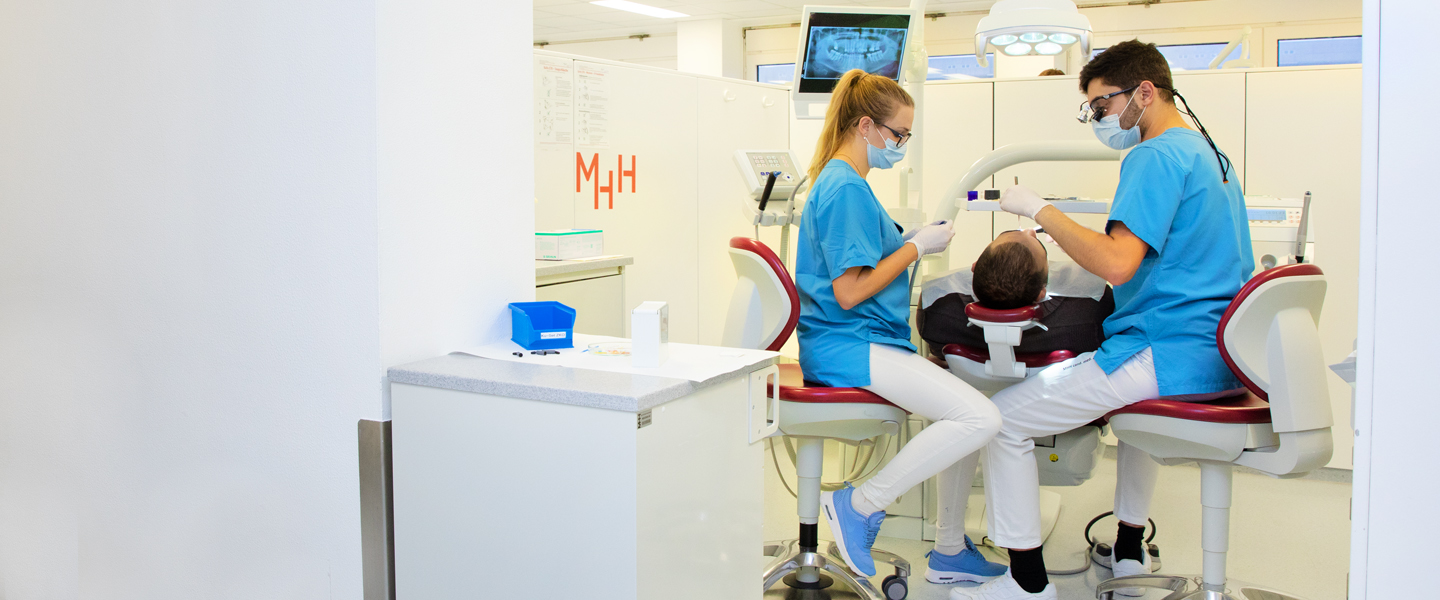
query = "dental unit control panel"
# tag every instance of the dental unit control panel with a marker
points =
(772, 179)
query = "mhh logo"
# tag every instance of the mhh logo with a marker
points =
(613, 185)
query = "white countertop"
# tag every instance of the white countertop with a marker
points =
(561, 385)
(560, 267)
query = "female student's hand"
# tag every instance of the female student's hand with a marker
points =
(911, 233)
(933, 238)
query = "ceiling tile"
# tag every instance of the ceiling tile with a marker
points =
(571, 22)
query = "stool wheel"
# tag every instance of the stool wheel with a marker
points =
(894, 588)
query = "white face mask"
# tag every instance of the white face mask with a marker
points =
(883, 158)
(1108, 130)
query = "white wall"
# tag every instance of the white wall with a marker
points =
(656, 51)
(1394, 524)
(675, 217)
(455, 214)
(194, 273)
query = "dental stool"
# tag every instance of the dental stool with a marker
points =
(1280, 426)
(762, 315)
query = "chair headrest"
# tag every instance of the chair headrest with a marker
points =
(1256, 282)
(990, 315)
(777, 268)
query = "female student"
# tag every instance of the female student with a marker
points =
(851, 268)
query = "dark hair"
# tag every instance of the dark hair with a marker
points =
(1126, 64)
(1050, 72)
(1007, 276)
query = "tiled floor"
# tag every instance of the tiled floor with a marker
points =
(1291, 535)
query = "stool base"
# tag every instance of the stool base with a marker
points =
(1188, 588)
(791, 558)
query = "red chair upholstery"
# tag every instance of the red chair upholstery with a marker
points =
(794, 389)
(1246, 409)
(1013, 315)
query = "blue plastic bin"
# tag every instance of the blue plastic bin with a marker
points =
(545, 325)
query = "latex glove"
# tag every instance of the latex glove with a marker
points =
(1023, 201)
(933, 238)
(911, 233)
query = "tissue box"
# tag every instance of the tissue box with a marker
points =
(650, 334)
(569, 244)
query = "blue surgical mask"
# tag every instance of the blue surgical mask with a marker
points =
(883, 158)
(1109, 132)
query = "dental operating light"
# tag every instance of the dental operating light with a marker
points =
(1032, 27)
(644, 9)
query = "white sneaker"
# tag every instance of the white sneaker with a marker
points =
(1127, 567)
(1002, 588)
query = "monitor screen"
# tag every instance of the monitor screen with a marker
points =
(838, 42)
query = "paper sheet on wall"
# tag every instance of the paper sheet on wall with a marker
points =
(592, 105)
(686, 361)
(555, 103)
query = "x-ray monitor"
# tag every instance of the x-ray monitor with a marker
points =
(836, 42)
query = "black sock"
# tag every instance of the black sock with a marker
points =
(1028, 569)
(1129, 543)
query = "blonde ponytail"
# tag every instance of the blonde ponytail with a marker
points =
(857, 94)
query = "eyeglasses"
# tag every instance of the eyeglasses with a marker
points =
(1090, 112)
(899, 139)
(1037, 238)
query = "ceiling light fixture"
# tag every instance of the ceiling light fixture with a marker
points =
(1020, 27)
(644, 9)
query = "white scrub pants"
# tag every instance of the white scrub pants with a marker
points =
(964, 420)
(1062, 397)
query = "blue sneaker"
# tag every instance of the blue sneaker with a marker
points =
(854, 534)
(968, 565)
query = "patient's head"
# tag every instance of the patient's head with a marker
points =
(1012, 271)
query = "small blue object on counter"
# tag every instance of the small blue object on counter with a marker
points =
(542, 325)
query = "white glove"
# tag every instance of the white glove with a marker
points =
(1023, 201)
(911, 233)
(933, 238)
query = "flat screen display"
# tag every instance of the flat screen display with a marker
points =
(838, 42)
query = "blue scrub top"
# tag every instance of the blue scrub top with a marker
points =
(844, 226)
(1172, 198)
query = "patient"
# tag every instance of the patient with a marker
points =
(1012, 271)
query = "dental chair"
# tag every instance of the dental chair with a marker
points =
(763, 312)
(1281, 426)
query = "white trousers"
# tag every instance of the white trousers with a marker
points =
(964, 420)
(1060, 398)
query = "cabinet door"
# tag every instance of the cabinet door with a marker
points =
(735, 116)
(1303, 135)
(598, 303)
(639, 144)
(958, 130)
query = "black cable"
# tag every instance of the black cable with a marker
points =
(1093, 542)
(1220, 157)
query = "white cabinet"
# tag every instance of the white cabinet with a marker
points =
(596, 293)
(499, 497)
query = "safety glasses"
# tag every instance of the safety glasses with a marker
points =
(899, 139)
(1094, 110)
